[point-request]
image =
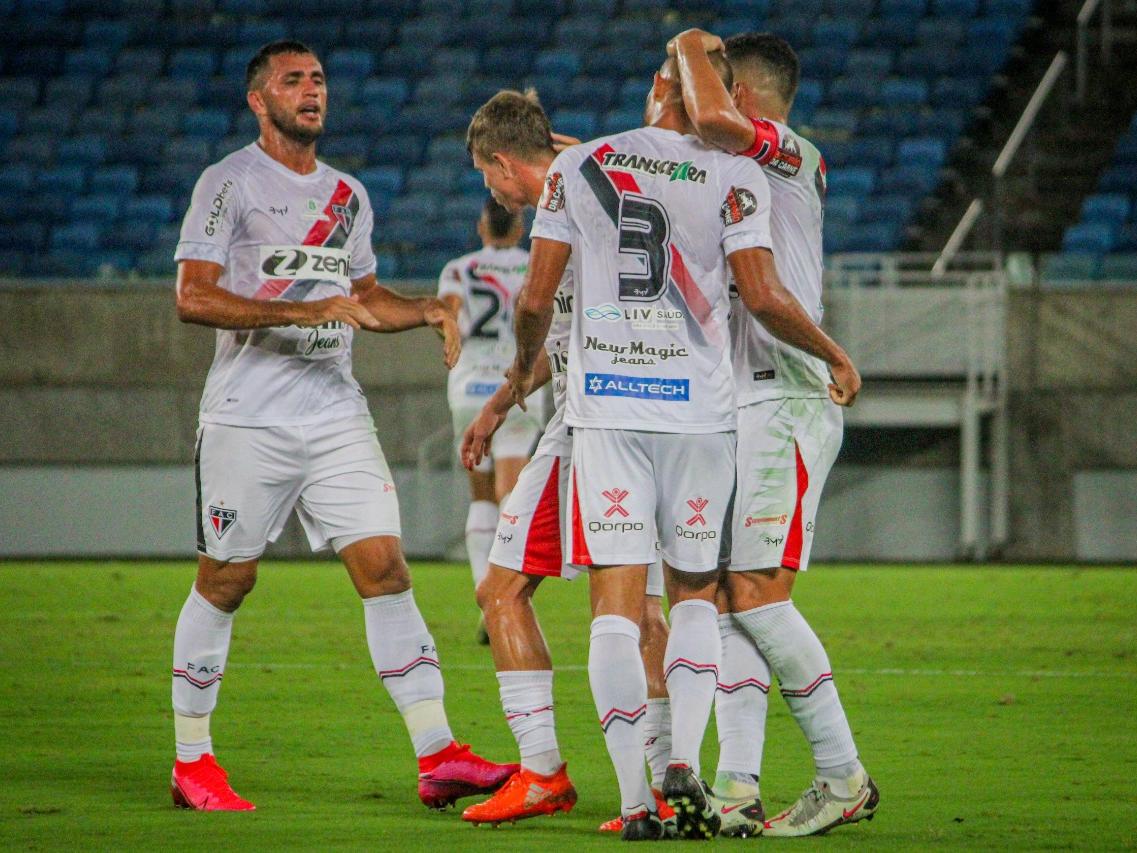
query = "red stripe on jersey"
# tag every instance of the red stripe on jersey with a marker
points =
(700, 308)
(492, 281)
(317, 234)
(766, 142)
(580, 555)
(791, 557)
(543, 555)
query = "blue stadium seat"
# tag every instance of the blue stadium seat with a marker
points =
(442, 89)
(137, 149)
(184, 93)
(448, 149)
(613, 61)
(1127, 238)
(1118, 179)
(876, 237)
(909, 178)
(427, 32)
(1121, 267)
(927, 61)
(854, 92)
(429, 120)
(754, 8)
(243, 7)
(451, 61)
(597, 92)
(392, 90)
(188, 149)
(825, 62)
(159, 121)
(419, 208)
(425, 264)
(172, 179)
(922, 150)
(632, 32)
(902, 8)
(1125, 153)
(893, 29)
(207, 124)
(13, 261)
(958, 91)
(832, 120)
(192, 62)
(941, 32)
(38, 148)
(514, 62)
(95, 208)
(583, 124)
(113, 180)
(54, 118)
(72, 89)
(146, 61)
(151, 208)
(620, 120)
(17, 178)
(470, 181)
(1012, 9)
(112, 33)
(256, 33)
(349, 62)
(43, 60)
(895, 209)
(868, 62)
(401, 149)
(477, 8)
(1108, 208)
(23, 236)
(943, 122)
(349, 151)
(87, 150)
(983, 58)
(18, 91)
(9, 123)
(576, 32)
(904, 90)
(123, 91)
(386, 265)
(64, 179)
(838, 32)
(88, 60)
(956, 8)
(854, 181)
(405, 60)
(1067, 268)
(385, 180)
(1094, 238)
(841, 208)
(78, 237)
(560, 62)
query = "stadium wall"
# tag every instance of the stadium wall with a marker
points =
(99, 390)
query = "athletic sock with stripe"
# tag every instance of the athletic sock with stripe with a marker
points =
(740, 708)
(406, 660)
(691, 664)
(805, 679)
(619, 689)
(201, 648)
(527, 700)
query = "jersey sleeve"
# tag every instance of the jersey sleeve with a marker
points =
(553, 218)
(745, 207)
(776, 148)
(450, 281)
(212, 218)
(362, 253)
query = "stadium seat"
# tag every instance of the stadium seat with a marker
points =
(54, 118)
(904, 91)
(89, 60)
(1093, 238)
(38, 148)
(65, 179)
(192, 62)
(150, 208)
(1122, 179)
(1126, 151)
(113, 180)
(184, 93)
(922, 150)
(78, 237)
(419, 208)
(956, 8)
(26, 236)
(145, 61)
(349, 62)
(112, 33)
(583, 124)
(620, 120)
(401, 149)
(855, 181)
(188, 149)
(1120, 267)
(1127, 238)
(909, 178)
(1107, 208)
(940, 32)
(449, 149)
(387, 180)
(18, 92)
(72, 89)
(1066, 268)
(839, 32)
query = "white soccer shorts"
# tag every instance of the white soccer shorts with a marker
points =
(786, 449)
(528, 538)
(250, 478)
(625, 485)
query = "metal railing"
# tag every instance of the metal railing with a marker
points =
(1085, 18)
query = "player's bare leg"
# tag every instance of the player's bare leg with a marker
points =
(842, 791)
(525, 677)
(481, 524)
(619, 688)
(694, 651)
(406, 661)
(201, 648)
(506, 472)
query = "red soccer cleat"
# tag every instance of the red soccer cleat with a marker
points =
(665, 812)
(456, 772)
(203, 785)
(526, 794)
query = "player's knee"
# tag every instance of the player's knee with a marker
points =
(226, 585)
(502, 589)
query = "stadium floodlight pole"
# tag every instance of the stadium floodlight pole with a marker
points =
(962, 229)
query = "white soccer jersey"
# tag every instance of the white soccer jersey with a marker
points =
(556, 441)
(651, 215)
(764, 367)
(280, 235)
(487, 281)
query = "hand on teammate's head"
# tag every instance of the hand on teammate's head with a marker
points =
(561, 141)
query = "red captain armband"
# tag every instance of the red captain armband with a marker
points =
(766, 141)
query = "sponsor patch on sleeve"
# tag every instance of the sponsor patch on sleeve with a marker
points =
(553, 196)
(739, 203)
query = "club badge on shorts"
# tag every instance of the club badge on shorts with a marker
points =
(221, 519)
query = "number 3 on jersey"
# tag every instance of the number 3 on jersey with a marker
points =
(644, 235)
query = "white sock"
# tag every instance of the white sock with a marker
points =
(805, 679)
(201, 647)
(406, 660)
(691, 665)
(481, 527)
(740, 706)
(657, 739)
(619, 689)
(527, 699)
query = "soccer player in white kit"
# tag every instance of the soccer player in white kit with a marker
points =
(275, 254)
(512, 145)
(480, 289)
(789, 432)
(649, 221)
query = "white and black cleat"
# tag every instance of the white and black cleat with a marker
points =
(695, 814)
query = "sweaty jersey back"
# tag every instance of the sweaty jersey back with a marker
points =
(764, 367)
(651, 215)
(280, 235)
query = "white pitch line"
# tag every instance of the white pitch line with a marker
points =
(487, 667)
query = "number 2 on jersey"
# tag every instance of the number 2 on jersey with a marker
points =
(493, 307)
(644, 234)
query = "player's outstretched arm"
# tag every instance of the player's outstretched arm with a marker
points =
(476, 438)
(534, 312)
(395, 313)
(775, 307)
(709, 105)
(202, 301)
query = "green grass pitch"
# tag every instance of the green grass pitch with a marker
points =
(996, 707)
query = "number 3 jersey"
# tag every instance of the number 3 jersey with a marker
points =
(280, 235)
(651, 215)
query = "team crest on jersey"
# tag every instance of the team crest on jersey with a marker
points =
(344, 216)
(553, 198)
(221, 519)
(739, 204)
(788, 159)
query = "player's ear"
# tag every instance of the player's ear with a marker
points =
(255, 101)
(736, 93)
(503, 163)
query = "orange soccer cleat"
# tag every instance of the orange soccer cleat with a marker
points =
(204, 785)
(457, 771)
(666, 814)
(526, 794)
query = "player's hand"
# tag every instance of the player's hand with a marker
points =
(561, 141)
(439, 318)
(520, 385)
(341, 309)
(709, 41)
(846, 383)
(476, 439)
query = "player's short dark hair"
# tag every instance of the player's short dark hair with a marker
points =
(670, 68)
(261, 58)
(767, 57)
(510, 121)
(500, 220)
